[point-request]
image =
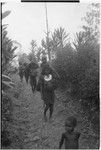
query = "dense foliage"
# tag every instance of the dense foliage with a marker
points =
(7, 50)
(7, 84)
(79, 66)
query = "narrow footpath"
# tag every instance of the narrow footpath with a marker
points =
(34, 133)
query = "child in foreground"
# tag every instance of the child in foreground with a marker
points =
(70, 137)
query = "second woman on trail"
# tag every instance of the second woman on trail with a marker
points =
(46, 85)
(31, 73)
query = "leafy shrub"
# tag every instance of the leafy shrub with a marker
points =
(6, 110)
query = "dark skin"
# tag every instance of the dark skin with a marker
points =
(28, 69)
(47, 96)
(21, 74)
(49, 104)
(70, 137)
(50, 107)
(33, 83)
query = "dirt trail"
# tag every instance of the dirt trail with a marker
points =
(29, 124)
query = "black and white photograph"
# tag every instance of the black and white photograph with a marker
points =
(50, 75)
(50, 1)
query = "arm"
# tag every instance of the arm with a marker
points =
(61, 141)
(55, 72)
(40, 83)
(79, 135)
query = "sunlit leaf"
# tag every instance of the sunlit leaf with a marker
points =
(5, 14)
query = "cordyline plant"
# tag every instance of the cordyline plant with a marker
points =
(6, 80)
(7, 107)
(6, 83)
(6, 110)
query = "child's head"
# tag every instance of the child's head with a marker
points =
(70, 123)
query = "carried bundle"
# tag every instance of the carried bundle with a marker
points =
(48, 82)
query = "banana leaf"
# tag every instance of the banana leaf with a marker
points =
(6, 78)
(7, 85)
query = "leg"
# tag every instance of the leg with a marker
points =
(31, 83)
(51, 110)
(21, 75)
(34, 84)
(21, 78)
(27, 77)
(27, 74)
(32, 87)
(52, 104)
(45, 110)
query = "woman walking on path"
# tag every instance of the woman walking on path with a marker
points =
(46, 85)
